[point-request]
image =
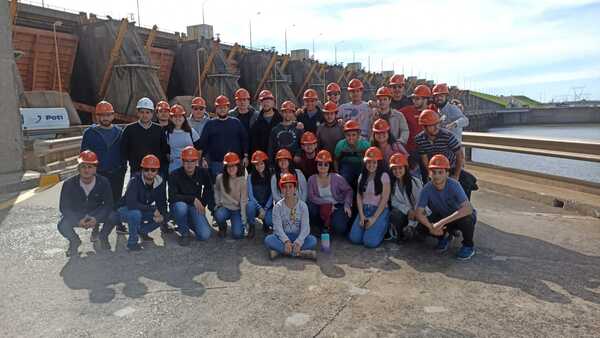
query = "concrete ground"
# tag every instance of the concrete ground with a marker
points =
(536, 273)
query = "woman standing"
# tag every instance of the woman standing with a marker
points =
(284, 165)
(372, 199)
(179, 135)
(383, 139)
(329, 197)
(260, 199)
(231, 197)
(404, 198)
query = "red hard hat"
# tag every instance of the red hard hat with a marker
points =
(104, 107)
(397, 79)
(241, 94)
(440, 88)
(150, 162)
(373, 154)
(330, 107)
(310, 94)
(333, 88)
(231, 159)
(381, 126)
(288, 106)
(88, 157)
(190, 153)
(384, 91)
(265, 94)
(198, 102)
(308, 138)
(287, 178)
(439, 161)
(323, 156)
(428, 117)
(162, 106)
(177, 110)
(221, 101)
(398, 160)
(351, 125)
(355, 84)
(259, 156)
(283, 154)
(422, 91)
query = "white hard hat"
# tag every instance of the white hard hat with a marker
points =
(145, 103)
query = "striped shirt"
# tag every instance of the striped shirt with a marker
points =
(445, 143)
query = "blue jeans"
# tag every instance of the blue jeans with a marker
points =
(184, 214)
(223, 214)
(215, 168)
(339, 219)
(138, 222)
(350, 172)
(252, 212)
(373, 236)
(66, 224)
(274, 243)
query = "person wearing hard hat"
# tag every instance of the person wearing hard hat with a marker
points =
(104, 139)
(143, 137)
(334, 93)
(260, 198)
(145, 202)
(411, 112)
(190, 193)
(268, 118)
(231, 197)
(332, 130)
(356, 109)
(285, 165)
(397, 121)
(306, 162)
(291, 224)
(287, 133)
(450, 208)
(383, 139)
(311, 115)
(163, 111)
(397, 84)
(178, 135)
(199, 115)
(451, 115)
(349, 153)
(222, 135)
(243, 111)
(86, 202)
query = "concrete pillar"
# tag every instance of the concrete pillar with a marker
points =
(11, 137)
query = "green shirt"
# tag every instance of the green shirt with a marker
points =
(345, 153)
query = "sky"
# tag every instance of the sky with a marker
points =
(548, 50)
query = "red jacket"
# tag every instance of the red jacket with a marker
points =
(412, 117)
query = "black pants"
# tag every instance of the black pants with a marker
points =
(465, 225)
(116, 179)
(398, 220)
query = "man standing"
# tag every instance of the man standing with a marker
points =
(311, 115)
(396, 120)
(86, 202)
(334, 92)
(357, 109)
(397, 85)
(269, 117)
(145, 202)
(104, 139)
(221, 135)
(411, 112)
(199, 115)
(332, 130)
(451, 115)
(243, 111)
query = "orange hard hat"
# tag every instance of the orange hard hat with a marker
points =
(241, 94)
(104, 107)
(162, 106)
(258, 156)
(398, 160)
(150, 162)
(384, 91)
(324, 156)
(198, 102)
(397, 79)
(428, 117)
(287, 178)
(373, 154)
(330, 107)
(88, 157)
(440, 88)
(308, 138)
(310, 94)
(288, 106)
(283, 154)
(351, 125)
(422, 91)
(333, 88)
(381, 126)
(439, 161)
(265, 94)
(355, 84)
(177, 110)
(221, 101)
(231, 159)
(190, 153)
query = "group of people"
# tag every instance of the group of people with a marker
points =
(389, 169)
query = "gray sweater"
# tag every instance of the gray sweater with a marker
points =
(284, 223)
(451, 113)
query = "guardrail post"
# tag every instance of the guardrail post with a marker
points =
(468, 154)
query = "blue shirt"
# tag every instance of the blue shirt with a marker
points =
(443, 202)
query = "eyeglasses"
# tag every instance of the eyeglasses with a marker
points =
(322, 164)
(152, 170)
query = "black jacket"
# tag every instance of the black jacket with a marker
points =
(311, 123)
(260, 132)
(137, 142)
(74, 204)
(144, 198)
(184, 188)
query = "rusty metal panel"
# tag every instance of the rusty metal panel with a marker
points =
(164, 59)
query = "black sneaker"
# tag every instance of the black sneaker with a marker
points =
(104, 244)
(184, 240)
(73, 249)
(267, 230)
(121, 229)
(165, 229)
(135, 247)
(222, 231)
(145, 237)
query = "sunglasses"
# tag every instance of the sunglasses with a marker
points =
(152, 170)
(322, 164)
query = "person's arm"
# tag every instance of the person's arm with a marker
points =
(298, 151)
(344, 188)
(85, 140)
(404, 131)
(278, 223)
(195, 139)
(208, 196)
(302, 188)
(461, 120)
(251, 197)
(218, 192)
(399, 200)
(336, 156)
(464, 210)
(245, 143)
(66, 205)
(304, 224)
(102, 211)
(271, 148)
(313, 191)
(243, 200)
(131, 196)
(161, 199)
(175, 194)
(275, 193)
(460, 162)
(125, 145)
(383, 201)
(203, 141)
